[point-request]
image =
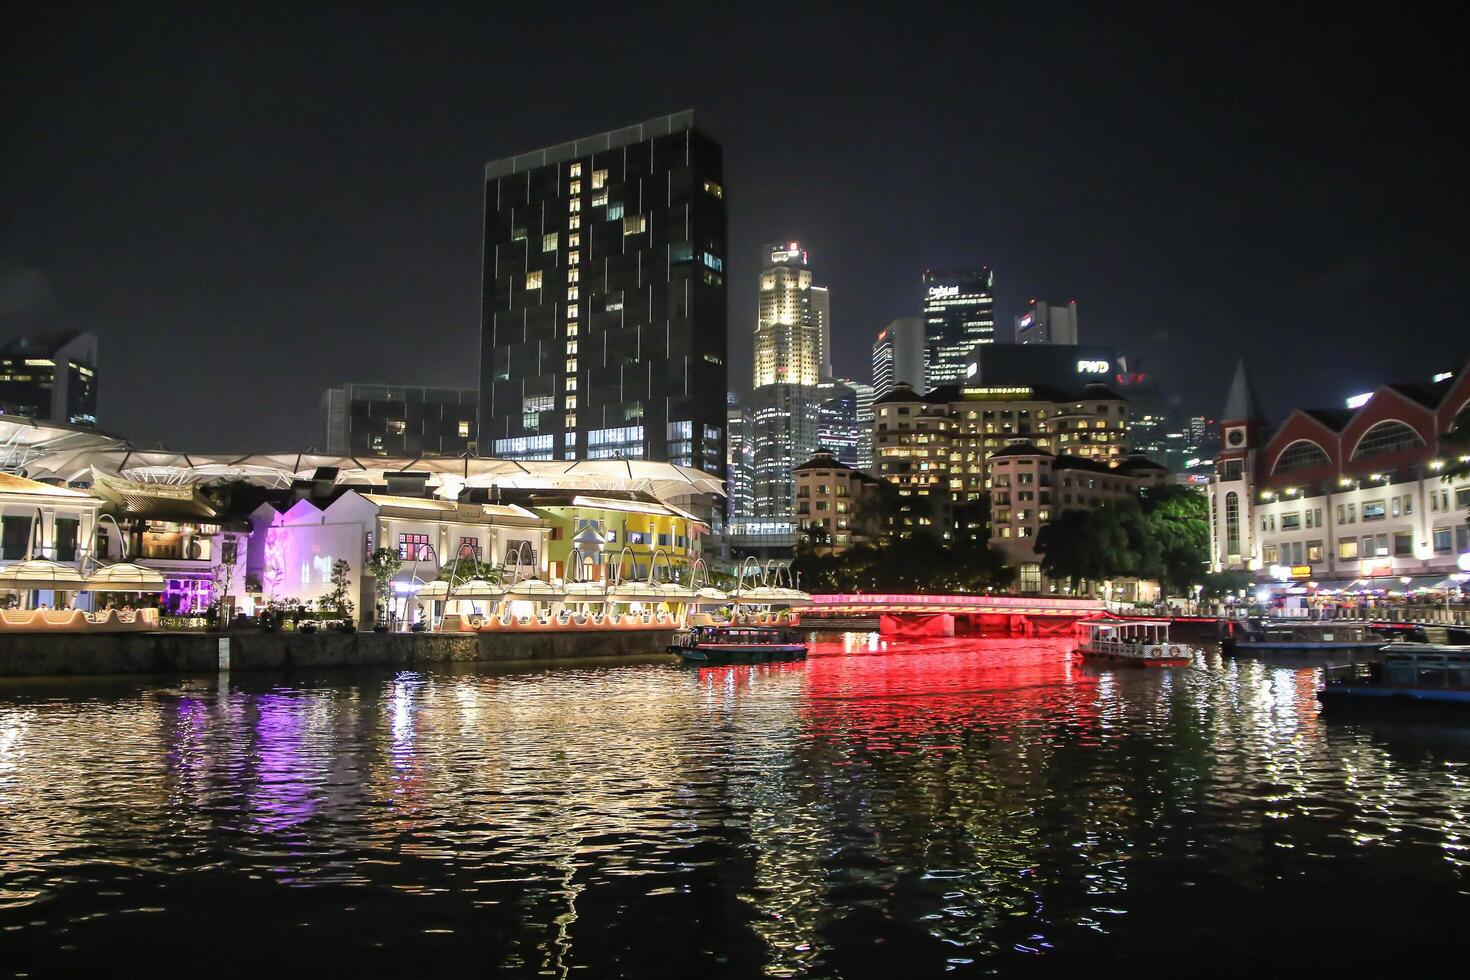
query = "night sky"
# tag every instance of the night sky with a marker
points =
(250, 206)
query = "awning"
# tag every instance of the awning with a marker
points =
(124, 576)
(41, 573)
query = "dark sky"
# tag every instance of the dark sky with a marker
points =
(249, 206)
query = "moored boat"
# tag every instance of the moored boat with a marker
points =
(1137, 644)
(1424, 673)
(738, 644)
(1261, 636)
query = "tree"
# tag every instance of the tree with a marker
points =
(338, 600)
(466, 567)
(382, 565)
(815, 537)
(224, 575)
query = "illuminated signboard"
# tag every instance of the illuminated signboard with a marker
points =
(1301, 571)
(943, 292)
(1026, 321)
(998, 393)
(1358, 401)
(1092, 367)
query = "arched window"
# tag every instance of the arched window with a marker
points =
(1232, 526)
(1304, 454)
(1388, 436)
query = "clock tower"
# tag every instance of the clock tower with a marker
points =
(1233, 542)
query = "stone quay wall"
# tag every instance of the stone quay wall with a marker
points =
(53, 654)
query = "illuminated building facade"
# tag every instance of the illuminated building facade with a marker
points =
(51, 377)
(1360, 498)
(398, 420)
(898, 355)
(938, 446)
(838, 499)
(959, 315)
(603, 323)
(792, 316)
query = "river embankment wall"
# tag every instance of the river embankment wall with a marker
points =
(60, 654)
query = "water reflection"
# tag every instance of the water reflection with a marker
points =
(877, 808)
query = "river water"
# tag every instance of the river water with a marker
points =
(905, 810)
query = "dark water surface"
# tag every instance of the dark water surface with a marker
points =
(979, 806)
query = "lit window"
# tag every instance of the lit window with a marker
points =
(576, 170)
(548, 242)
(571, 365)
(571, 420)
(575, 187)
(571, 347)
(571, 292)
(573, 258)
(574, 205)
(571, 401)
(635, 224)
(710, 187)
(571, 384)
(574, 275)
(574, 241)
(571, 330)
(599, 179)
(599, 200)
(533, 279)
(572, 311)
(574, 222)
(614, 212)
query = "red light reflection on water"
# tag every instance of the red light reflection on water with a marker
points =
(888, 694)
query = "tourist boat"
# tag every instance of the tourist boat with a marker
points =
(1426, 673)
(1140, 644)
(738, 644)
(1276, 636)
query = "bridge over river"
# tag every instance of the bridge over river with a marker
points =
(951, 615)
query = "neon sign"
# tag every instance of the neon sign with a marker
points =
(943, 292)
(1092, 367)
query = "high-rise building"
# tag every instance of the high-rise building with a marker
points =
(789, 319)
(1043, 323)
(785, 426)
(603, 330)
(398, 420)
(839, 429)
(822, 313)
(50, 377)
(785, 405)
(865, 396)
(739, 462)
(959, 315)
(898, 355)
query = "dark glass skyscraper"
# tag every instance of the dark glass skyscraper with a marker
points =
(603, 325)
(959, 314)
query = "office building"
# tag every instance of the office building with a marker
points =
(865, 396)
(789, 319)
(52, 377)
(784, 431)
(898, 355)
(398, 420)
(1043, 323)
(1346, 500)
(821, 302)
(1056, 366)
(838, 427)
(959, 315)
(739, 461)
(786, 404)
(603, 332)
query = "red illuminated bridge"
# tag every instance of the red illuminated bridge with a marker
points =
(954, 615)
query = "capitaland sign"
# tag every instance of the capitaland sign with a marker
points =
(943, 292)
(1092, 367)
